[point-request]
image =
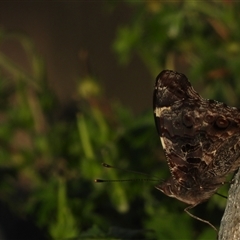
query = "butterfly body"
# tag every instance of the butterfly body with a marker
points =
(200, 138)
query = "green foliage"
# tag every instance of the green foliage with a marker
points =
(201, 38)
(48, 161)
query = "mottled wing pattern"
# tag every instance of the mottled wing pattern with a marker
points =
(200, 138)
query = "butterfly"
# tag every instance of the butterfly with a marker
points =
(200, 139)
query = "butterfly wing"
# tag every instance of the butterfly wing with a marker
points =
(200, 137)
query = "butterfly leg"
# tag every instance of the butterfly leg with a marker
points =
(199, 219)
(219, 194)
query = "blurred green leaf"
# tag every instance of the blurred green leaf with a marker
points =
(50, 156)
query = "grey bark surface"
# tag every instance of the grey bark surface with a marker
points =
(230, 223)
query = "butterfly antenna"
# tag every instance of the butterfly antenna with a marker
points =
(127, 180)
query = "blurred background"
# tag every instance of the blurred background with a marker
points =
(76, 82)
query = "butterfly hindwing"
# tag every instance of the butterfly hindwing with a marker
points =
(200, 138)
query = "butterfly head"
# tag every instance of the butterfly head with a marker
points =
(191, 195)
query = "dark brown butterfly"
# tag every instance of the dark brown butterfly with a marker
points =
(200, 138)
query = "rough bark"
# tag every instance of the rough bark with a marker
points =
(230, 223)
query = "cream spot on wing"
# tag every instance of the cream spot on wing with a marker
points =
(163, 144)
(158, 111)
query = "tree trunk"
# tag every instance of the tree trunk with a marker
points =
(230, 223)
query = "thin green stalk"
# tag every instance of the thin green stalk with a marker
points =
(84, 136)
